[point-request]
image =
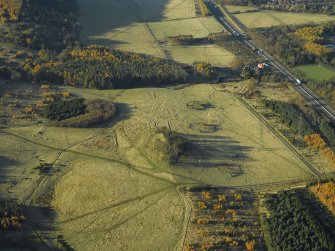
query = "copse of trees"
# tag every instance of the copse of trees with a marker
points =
(177, 146)
(105, 68)
(65, 109)
(204, 69)
(97, 111)
(79, 112)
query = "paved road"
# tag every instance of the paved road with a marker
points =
(317, 103)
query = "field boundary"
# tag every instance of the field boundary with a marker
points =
(155, 41)
(238, 25)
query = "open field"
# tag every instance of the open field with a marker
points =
(122, 190)
(315, 72)
(213, 54)
(237, 8)
(122, 23)
(197, 27)
(274, 18)
(255, 146)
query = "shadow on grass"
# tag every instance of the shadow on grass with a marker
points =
(34, 232)
(214, 151)
(98, 18)
(5, 177)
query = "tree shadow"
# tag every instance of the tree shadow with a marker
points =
(5, 165)
(35, 232)
(103, 17)
(214, 151)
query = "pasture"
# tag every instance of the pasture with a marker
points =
(273, 18)
(197, 27)
(315, 72)
(212, 54)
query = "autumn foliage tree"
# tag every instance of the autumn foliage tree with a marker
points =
(325, 192)
(316, 141)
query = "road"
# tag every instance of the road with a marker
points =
(317, 103)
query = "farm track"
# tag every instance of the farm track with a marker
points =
(99, 212)
(188, 214)
(101, 234)
(125, 164)
(43, 180)
(159, 48)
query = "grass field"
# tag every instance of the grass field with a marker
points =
(213, 54)
(274, 18)
(315, 72)
(122, 24)
(235, 8)
(121, 189)
(198, 27)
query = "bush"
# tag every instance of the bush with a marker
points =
(177, 145)
(181, 40)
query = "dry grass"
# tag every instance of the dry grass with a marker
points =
(213, 54)
(197, 27)
(115, 189)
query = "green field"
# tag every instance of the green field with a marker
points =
(274, 18)
(198, 27)
(315, 72)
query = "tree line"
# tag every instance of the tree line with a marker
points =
(293, 117)
(105, 68)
